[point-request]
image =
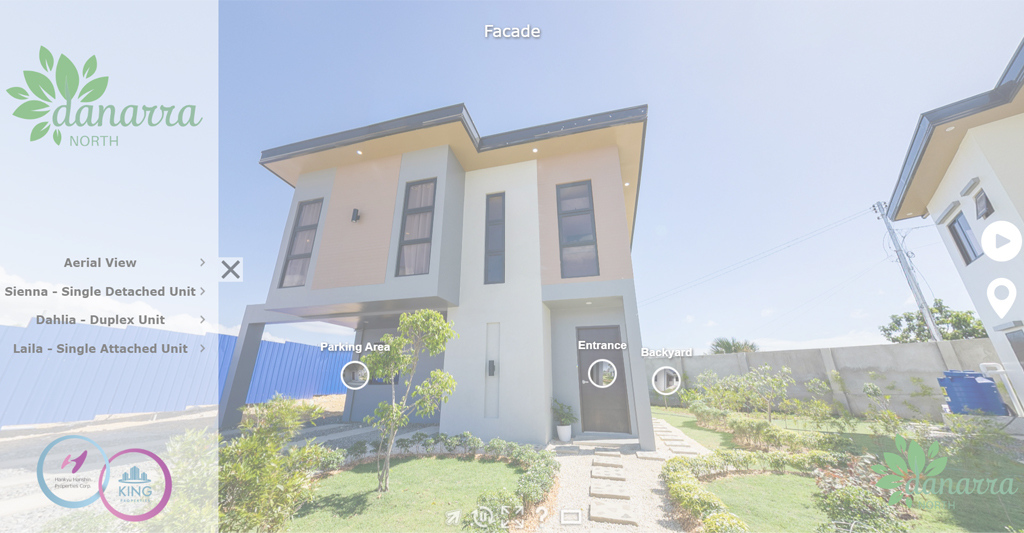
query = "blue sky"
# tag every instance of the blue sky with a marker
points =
(768, 121)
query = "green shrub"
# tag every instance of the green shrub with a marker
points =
(853, 505)
(709, 417)
(316, 458)
(469, 443)
(260, 486)
(696, 500)
(419, 439)
(357, 450)
(451, 444)
(497, 448)
(816, 459)
(724, 522)
(493, 500)
(404, 445)
(972, 434)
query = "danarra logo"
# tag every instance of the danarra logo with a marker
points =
(63, 98)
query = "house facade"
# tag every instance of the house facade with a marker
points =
(521, 239)
(965, 171)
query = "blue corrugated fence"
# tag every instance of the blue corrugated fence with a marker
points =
(48, 387)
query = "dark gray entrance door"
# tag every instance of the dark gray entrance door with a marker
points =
(602, 409)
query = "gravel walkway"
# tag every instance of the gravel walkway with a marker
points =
(648, 498)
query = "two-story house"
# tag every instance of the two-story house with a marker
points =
(521, 239)
(965, 170)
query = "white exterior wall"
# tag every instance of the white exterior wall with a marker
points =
(523, 368)
(994, 154)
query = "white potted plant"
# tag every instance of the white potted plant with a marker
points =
(565, 418)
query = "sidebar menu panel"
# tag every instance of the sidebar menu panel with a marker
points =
(109, 270)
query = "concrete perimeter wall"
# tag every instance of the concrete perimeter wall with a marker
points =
(893, 367)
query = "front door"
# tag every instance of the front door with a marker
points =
(603, 403)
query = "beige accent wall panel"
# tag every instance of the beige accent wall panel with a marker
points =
(601, 167)
(356, 253)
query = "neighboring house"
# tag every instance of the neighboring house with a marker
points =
(965, 169)
(521, 239)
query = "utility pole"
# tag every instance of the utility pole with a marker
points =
(929, 320)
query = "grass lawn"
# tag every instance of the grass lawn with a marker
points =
(969, 513)
(771, 502)
(422, 491)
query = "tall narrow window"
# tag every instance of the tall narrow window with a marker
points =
(577, 232)
(982, 205)
(494, 239)
(300, 249)
(417, 227)
(964, 239)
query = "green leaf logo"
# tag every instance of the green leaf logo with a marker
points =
(45, 58)
(67, 77)
(32, 109)
(94, 89)
(63, 80)
(90, 67)
(40, 85)
(904, 471)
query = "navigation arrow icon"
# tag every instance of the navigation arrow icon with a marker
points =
(202, 261)
(203, 319)
(452, 517)
(202, 293)
(202, 348)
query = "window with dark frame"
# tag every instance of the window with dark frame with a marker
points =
(417, 228)
(963, 236)
(983, 205)
(300, 247)
(577, 230)
(494, 239)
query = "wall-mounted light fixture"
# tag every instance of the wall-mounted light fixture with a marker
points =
(355, 215)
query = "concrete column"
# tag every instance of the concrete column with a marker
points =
(744, 364)
(837, 390)
(949, 356)
(243, 363)
(350, 395)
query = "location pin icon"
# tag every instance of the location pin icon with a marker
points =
(1002, 305)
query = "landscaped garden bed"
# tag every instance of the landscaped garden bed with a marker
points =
(879, 473)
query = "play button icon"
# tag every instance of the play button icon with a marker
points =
(1001, 241)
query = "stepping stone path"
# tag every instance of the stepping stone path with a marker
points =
(672, 441)
(607, 472)
(615, 462)
(608, 489)
(614, 511)
(603, 488)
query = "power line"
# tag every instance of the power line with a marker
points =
(828, 293)
(754, 258)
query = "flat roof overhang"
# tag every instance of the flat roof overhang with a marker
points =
(932, 148)
(452, 125)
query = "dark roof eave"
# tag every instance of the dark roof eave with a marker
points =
(1004, 92)
(456, 113)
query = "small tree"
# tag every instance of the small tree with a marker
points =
(263, 482)
(953, 325)
(423, 331)
(766, 389)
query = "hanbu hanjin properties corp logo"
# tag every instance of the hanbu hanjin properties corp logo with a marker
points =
(61, 98)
